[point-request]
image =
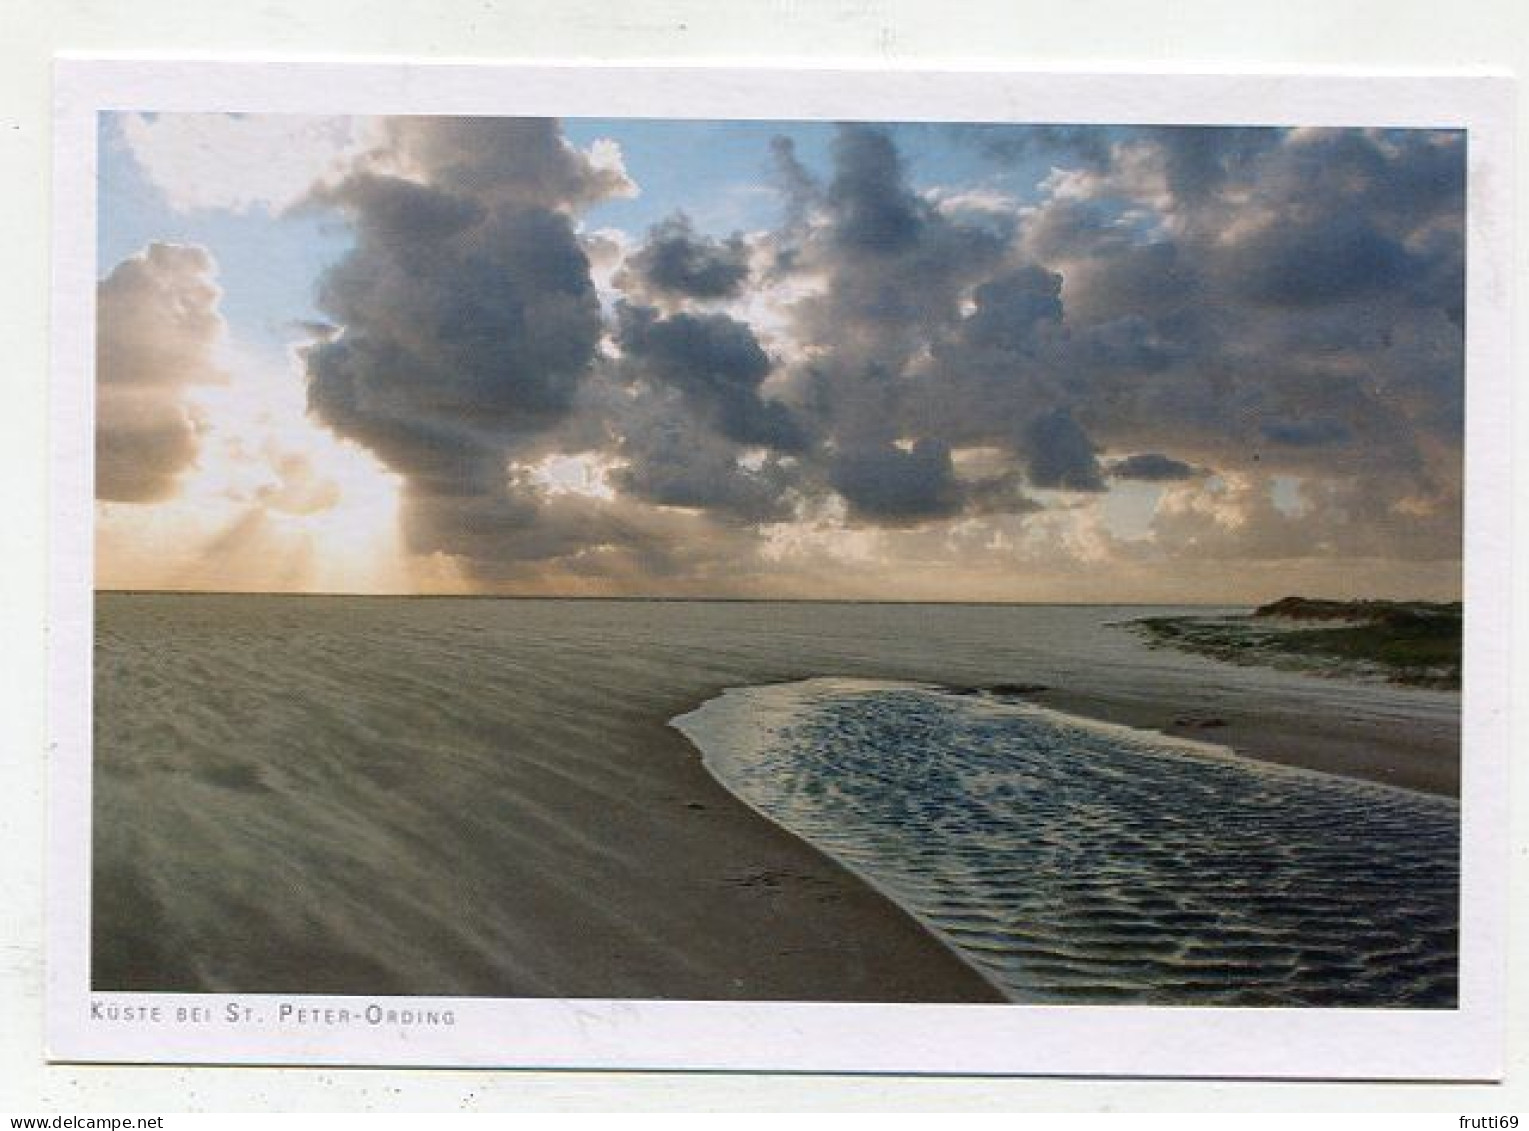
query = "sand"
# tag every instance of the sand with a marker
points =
(348, 796)
(1368, 747)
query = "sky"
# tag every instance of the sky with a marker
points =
(931, 361)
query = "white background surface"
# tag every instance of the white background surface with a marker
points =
(1400, 35)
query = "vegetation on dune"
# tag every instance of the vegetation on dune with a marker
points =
(1409, 642)
(1379, 612)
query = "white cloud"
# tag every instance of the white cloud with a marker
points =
(236, 162)
(605, 155)
(158, 330)
(980, 199)
(570, 475)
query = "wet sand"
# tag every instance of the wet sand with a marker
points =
(1370, 748)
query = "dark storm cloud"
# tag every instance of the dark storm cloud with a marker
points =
(1199, 160)
(455, 316)
(1278, 296)
(467, 323)
(892, 254)
(895, 262)
(1127, 280)
(1191, 290)
(1287, 302)
(1405, 179)
(1060, 456)
(672, 463)
(897, 486)
(676, 261)
(893, 272)
(1009, 307)
(1346, 216)
(1306, 433)
(1152, 467)
(717, 365)
(1084, 146)
(1334, 258)
(1261, 302)
(157, 324)
(874, 210)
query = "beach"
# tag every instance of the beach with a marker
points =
(487, 797)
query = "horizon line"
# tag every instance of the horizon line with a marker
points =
(662, 599)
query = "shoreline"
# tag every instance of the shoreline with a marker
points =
(722, 745)
(798, 871)
(1386, 755)
(1389, 756)
(851, 874)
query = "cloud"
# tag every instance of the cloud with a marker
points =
(898, 485)
(893, 272)
(874, 211)
(520, 162)
(1268, 303)
(1009, 308)
(672, 463)
(798, 187)
(677, 262)
(458, 318)
(801, 197)
(239, 162)
(1152, 467)
(467, 322)
(1242, 297)
(1306, 433)
(1060, 456)
(1084, 146)
(1216, 291)
(1331, 258)
(1233, 517)
(1196, 162)
(299, 489)
(717, 365)
(157, 330)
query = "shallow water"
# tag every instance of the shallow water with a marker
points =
(1073, 862)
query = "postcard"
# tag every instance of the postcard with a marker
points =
(803, 570)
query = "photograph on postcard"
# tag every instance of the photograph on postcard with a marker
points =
(778, 560)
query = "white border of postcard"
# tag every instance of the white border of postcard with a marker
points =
(1463, 1043)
